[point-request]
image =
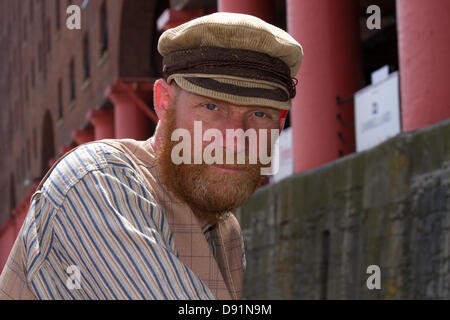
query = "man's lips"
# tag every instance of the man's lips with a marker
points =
(226, 169)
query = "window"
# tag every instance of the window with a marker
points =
(28, 154)
(58, 15)
(26, 89)
(49, 40)
(72, 79)
(33, 80)
(31, 10)
(21, 114)
(103, 29)
(18, 171)
(17, 115)
(60, 101)
(42, 22)
(40, 56)
(35, 143)
(25, 22)
(23, 164)
(86, 66)
(14, 61)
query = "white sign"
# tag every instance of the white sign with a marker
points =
(284, 158)
(377, 113)
(380, 74)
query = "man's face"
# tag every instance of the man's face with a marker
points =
(213, 189)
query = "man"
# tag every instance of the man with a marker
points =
(123, 219)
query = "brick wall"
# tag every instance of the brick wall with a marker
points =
(29, 25)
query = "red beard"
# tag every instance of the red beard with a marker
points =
(209, 192)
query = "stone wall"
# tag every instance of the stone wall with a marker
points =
(313, 235)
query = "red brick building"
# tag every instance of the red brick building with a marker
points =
(60, 87)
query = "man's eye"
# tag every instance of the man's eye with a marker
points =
(260, 114)
(211, 106)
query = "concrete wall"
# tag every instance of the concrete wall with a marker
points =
(313, 235)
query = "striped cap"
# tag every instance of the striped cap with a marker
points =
(232, 57)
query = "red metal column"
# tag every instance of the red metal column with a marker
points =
(131, 118)
(424, 46)
(329, 34)
(262, 9)
(64, 149)
(81, 136)
(103, 121)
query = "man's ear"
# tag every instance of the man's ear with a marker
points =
(163, 94)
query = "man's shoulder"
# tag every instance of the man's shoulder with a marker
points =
(85, 159)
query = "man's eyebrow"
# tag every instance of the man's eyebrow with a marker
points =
(198, 99)
(201, 99)
(264, 109)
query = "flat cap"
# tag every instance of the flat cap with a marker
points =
(232, 57)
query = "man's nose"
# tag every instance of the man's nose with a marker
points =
(234, 134)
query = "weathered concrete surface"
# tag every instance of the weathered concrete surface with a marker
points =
(313, 235)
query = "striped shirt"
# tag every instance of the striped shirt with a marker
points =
(94, 230)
